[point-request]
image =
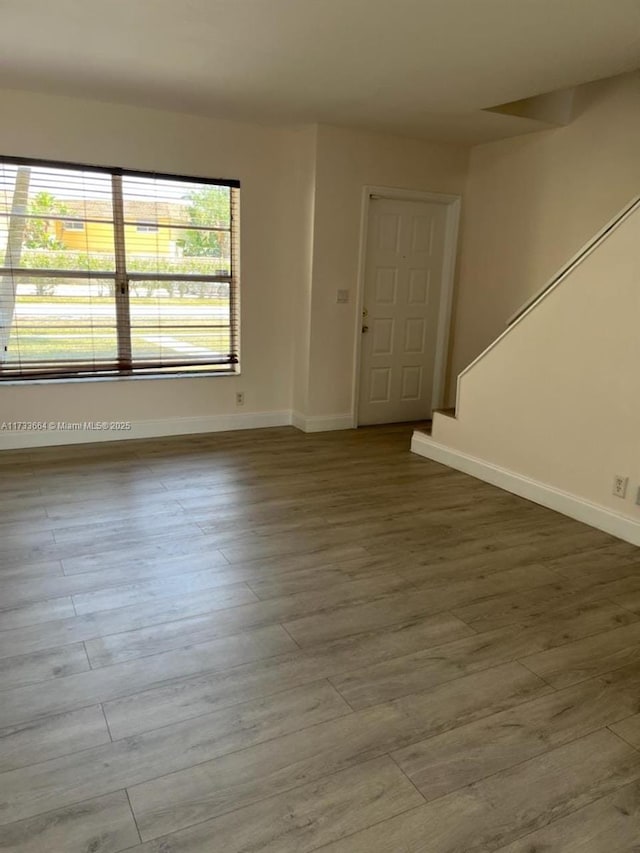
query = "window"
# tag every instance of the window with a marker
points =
(109, 272)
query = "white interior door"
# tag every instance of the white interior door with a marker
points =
(402, 290)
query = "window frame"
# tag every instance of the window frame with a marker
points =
(125, 367)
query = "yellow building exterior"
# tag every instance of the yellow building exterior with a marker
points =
(149, 227)
(97, 237)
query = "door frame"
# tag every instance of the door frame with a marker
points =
(450, 250)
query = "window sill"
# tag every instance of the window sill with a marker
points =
(72, 380)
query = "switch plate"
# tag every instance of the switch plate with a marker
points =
(342, 296)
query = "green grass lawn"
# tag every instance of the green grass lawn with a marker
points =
(215, 301)
(71, 344)
(86, 338)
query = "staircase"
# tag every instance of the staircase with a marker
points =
(551, 409)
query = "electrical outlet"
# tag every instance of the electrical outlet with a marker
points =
(620, 486)
(240, 398)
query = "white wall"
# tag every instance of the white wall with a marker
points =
(301, 211)
(273, 247)
(531, 202)
(557, 399)
(303, 161)
(347, 161)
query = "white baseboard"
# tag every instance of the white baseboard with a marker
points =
(298, 420)
(23, 439)
(575, 507)
(321, 423)
(19, 439)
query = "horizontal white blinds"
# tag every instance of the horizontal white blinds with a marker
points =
(107, 272)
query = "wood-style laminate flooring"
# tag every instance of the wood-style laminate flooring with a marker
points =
(271, 641)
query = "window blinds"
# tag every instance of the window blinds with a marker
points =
(114, 272)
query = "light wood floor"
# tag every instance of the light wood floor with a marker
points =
(270, 641)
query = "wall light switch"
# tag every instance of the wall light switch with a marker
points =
(342, 296)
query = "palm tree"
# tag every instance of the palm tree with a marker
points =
(15, 238)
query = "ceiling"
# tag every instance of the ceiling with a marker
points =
(420, 67)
